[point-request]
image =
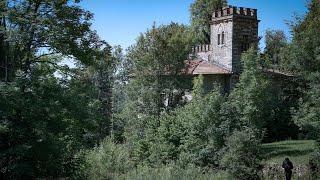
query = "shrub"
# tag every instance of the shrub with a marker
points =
(190, 134)
(242, 155)
(108, 161)
(174, 172)
(314, 163)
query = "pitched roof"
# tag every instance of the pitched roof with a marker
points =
(196, 67)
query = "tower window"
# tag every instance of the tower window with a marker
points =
(219, 42)
(245, 43)
(222, 38)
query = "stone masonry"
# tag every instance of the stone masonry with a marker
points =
(233, 31)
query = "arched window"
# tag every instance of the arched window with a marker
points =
(219, 39)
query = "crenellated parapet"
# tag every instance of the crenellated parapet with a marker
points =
(233, 31)
(234, 11)
(201, 48)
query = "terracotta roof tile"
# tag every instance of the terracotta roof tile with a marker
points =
(191, 65)
(196, 67)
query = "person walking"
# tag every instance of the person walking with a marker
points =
(287, 166)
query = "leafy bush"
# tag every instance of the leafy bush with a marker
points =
(242, 155)
(190, 134)
(108, 161)
(307, 116)
(173, 172)
(314, 163)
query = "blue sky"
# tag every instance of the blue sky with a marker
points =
(119, 22)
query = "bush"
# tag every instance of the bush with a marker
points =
(190, 134)
(108, 161)
(173, 172)
(242, 155)
(314, 163)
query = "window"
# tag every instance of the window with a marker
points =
(222, 38)
(245, 43)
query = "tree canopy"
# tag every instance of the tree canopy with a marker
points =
(201, 16)
(137, 114)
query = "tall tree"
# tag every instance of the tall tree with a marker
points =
(275, 40)
(44, 27)
(41, 123)
(104, 74)
(157, 59)
(305, 54)
(201, 17)
(307, 116)
(4, 59)
(250, 104)
(302, 56)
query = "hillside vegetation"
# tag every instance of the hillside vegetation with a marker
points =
(128, 114)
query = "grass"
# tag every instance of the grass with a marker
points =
(297, 151)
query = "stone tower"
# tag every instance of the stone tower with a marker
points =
(233, 31)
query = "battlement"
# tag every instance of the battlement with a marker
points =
(201, 48)
(234, 11)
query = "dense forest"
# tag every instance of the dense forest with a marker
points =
(115, 114)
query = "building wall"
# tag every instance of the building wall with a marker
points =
(222, 54)
(240, 27)
(245, 35)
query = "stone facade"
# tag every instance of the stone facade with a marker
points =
(222, 51)
(233, 31)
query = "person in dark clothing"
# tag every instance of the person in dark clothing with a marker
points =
(287, 166)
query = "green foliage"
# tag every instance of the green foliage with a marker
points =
(159, 56)
(314, 162)
(258, 101)
(305, 49)
(173, 172)
(41, 130)
(198, 90)
(155, 62)
(275, 41)
(250, 103)
(108, 160)
(104, 76)
(201, 16)
(302, 56)
(61, 27)
(242, 154)
(196, 133)
(50, 114)
(308, 114)
(190, 134)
